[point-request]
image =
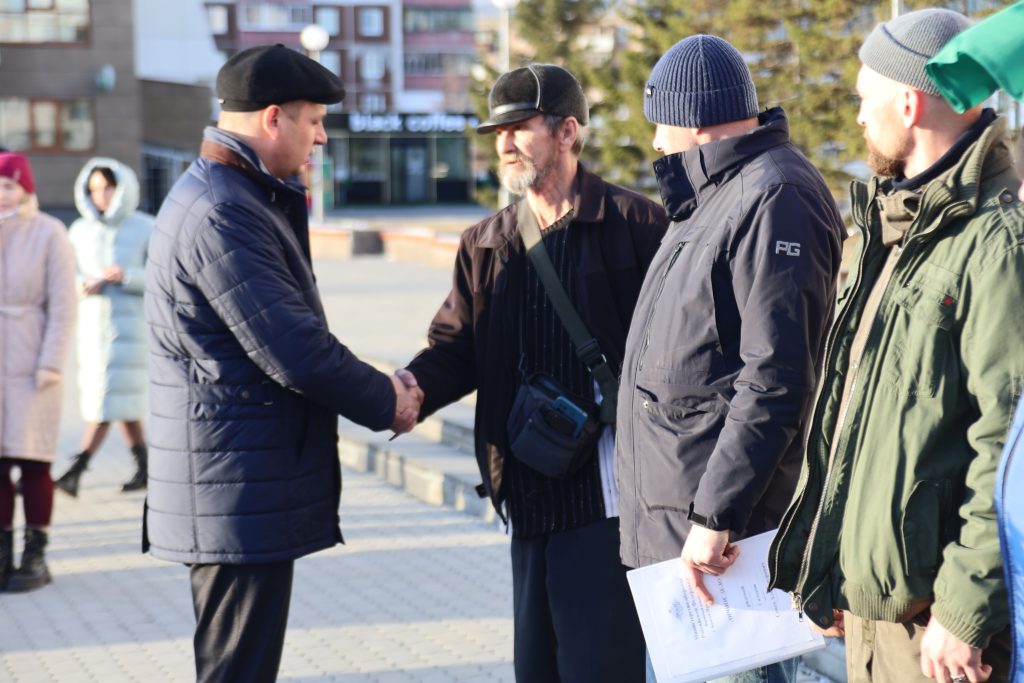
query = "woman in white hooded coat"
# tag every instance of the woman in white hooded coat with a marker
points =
(110, 242)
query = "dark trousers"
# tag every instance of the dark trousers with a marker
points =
(36, 492)
(574, 616)
(241, 616)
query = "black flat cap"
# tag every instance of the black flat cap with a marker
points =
(258, 77)
(534, 89)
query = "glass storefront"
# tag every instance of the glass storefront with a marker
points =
(394, 159)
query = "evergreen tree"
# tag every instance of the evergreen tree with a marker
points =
(654, 27)
(559, 32)
(802, 55)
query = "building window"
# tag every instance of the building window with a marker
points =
(373, 66)
(373, 102)
(370, 21)
(331, 59)
(329, 19)
(267, 16)
(434, 64)
(44, 21)
(217, 16)
(451, 169)
(76, 125)
(160, 168)
(46, 125)
(368, 173)
(437, 20)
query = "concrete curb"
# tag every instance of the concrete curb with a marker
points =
(432, 472)
(421, 245)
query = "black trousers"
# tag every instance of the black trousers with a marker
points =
(241, 616)
(574, 616)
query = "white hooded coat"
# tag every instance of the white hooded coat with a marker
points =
(112, 352)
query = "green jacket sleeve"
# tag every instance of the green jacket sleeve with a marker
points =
(970, 593)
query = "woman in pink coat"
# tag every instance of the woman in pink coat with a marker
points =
(37, 317)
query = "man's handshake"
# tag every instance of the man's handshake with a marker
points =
(409, 400)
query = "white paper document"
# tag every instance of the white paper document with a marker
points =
(747, 626)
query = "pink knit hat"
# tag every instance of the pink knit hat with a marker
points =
(16, 167)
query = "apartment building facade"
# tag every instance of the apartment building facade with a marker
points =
(84, 78)
(399, 136)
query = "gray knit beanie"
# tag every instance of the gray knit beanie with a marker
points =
(898, 49)
(701, 81)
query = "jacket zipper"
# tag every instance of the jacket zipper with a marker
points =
(654, 305)
(797, 598)
(639, 366)
(840, 424)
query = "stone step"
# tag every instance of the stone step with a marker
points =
(430, 471)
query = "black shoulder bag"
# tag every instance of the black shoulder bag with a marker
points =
(551, 429)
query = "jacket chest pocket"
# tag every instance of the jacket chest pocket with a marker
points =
(920, 355)
(681, 333)
(676, 425)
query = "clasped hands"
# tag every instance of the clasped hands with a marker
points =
(114, 275)
(408, 401)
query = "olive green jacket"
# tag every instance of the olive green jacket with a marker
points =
(902, 516)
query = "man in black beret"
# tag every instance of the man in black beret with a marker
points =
(246, 380)
(498, 332)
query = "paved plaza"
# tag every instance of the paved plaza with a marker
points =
(417, 594)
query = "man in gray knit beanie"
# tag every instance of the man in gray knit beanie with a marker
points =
(892, 541)
(726, 337)
(893, 59)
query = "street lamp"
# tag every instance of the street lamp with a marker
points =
(314, 39)
(506, 7)
(505, 40)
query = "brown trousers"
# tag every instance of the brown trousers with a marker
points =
(884, 652)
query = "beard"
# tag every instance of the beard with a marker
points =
(892, 164)
(525, 177)
(883, 165)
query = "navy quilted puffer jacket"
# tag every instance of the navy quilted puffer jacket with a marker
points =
(246, 381)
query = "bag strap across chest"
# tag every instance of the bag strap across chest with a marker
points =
(586, 345)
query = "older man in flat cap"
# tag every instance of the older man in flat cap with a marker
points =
(246, 381)
(892, 537)
(536, 322)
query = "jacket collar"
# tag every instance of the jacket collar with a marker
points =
(588, 208)
(223, 147)
(687, 178)
(951, 157)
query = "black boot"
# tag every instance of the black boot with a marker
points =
(138, 480)
(32, 574)
(6, 557)
(68, 482)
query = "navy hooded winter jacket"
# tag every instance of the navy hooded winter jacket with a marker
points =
(726, 342)
(246, 381)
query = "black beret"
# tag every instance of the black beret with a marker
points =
(258, 77)
(534, 89)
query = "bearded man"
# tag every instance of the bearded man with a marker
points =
(574, 619)
(892, 537)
